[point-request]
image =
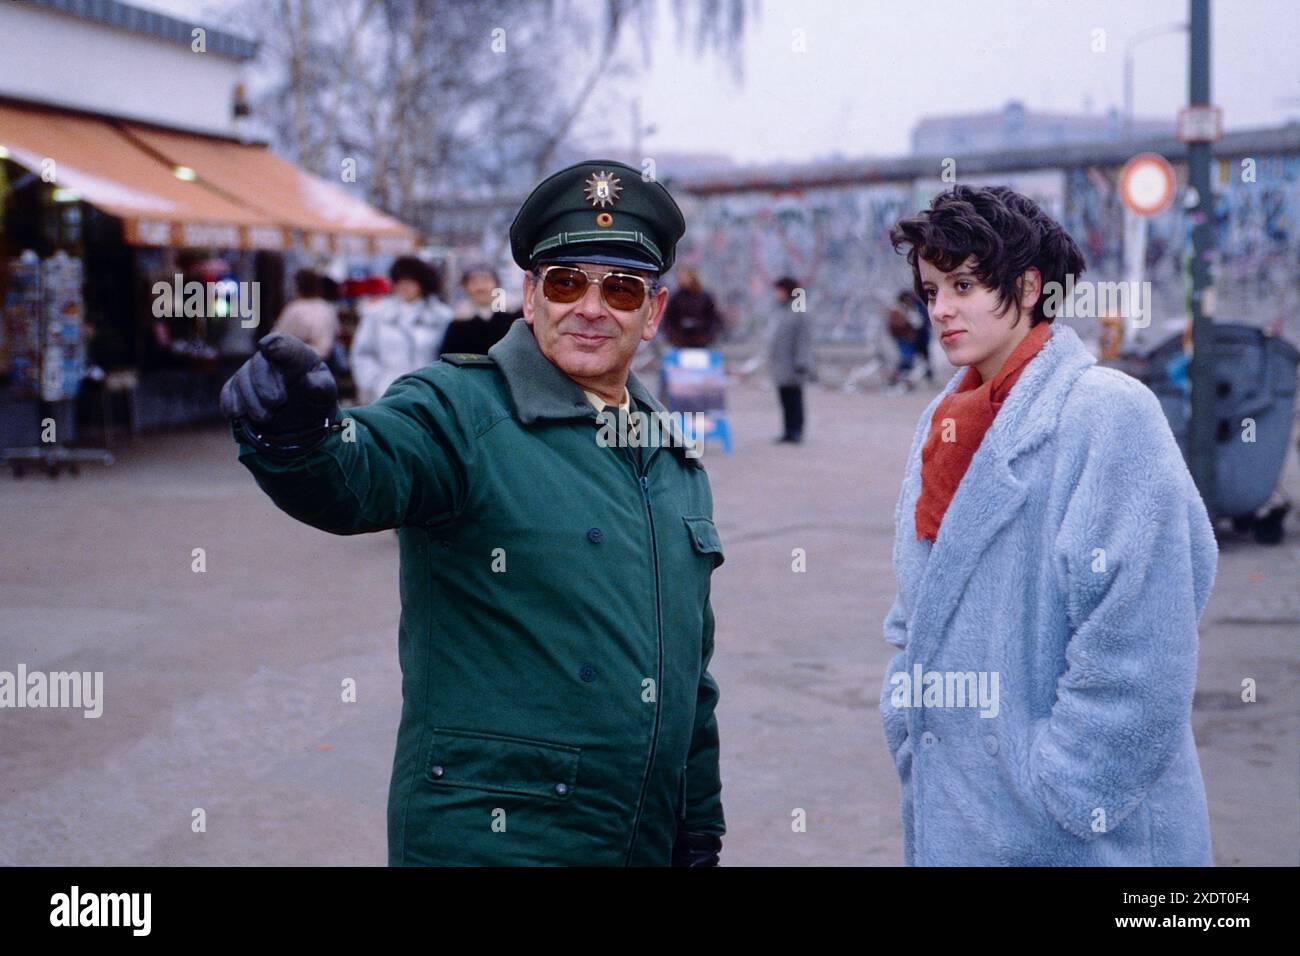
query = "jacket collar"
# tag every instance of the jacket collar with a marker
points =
(541, 392)
(990, 494)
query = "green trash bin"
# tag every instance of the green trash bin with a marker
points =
(1254, 382)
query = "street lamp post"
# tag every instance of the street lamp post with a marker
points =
(1133, 41)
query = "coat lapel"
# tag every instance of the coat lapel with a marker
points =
(990, 494)
(541, 392)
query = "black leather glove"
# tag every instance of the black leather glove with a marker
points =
(284, 398)
(696, 849)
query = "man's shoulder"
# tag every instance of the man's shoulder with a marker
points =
(465, 385)
(468, 360)
(461, 374)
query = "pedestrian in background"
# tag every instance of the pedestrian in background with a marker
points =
(919, 318)
(309, 316)
(903, 332)
(692, 320)
(401, 332)
(790, 357)
(478, 323)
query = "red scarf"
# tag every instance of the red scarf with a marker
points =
(971, 406)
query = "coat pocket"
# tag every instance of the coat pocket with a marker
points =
(704, 537)
(501, 764)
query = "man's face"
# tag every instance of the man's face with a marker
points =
(587, 340)
(964, 315)
(479, 287)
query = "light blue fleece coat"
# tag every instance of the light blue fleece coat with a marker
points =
(1067, 581)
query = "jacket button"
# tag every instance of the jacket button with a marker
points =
(587, 673)
(991, 744)
(929, 739)
(561, 789)
(595, 535)
(436, 772)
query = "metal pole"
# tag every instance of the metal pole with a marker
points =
(1201, 428)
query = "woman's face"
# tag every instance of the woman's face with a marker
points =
(965, 317)
(408, 290)
(479, 286)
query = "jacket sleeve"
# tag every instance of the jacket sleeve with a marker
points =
(703, 777)
(408, 464)
(1135, 557)
(892, 718)
(803, 353)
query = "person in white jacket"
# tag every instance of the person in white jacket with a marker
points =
(402, 332)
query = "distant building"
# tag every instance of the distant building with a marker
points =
(1015, 127)
(110, 58)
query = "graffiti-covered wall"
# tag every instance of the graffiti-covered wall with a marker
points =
(834, 240)
(1257, 214)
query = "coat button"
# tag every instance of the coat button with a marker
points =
(436, 772)
(595, 535)
(929, 739)
(587, 673)
(561, 789)
(991, 744)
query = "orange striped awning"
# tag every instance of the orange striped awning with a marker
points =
(179, 189)
(102, 166)
(328, 216)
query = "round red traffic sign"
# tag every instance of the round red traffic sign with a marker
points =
(1146, 184)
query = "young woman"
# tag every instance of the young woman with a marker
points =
(1053, 559)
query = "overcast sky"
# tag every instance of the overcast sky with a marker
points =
(872, 68)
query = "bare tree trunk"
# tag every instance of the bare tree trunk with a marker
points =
(613, 25)
(346, 68)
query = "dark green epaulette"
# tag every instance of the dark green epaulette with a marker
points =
(467, 358)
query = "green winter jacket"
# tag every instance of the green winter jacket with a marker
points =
(556, 628)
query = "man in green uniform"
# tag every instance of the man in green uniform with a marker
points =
(556, 628)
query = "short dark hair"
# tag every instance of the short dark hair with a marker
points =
(1006, 232)
(480, 268)
(787, 283)
(307, 283)
(409, 267)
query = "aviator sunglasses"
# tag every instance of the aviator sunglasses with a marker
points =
(620, 290)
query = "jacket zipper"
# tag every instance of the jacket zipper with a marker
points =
(659, 674)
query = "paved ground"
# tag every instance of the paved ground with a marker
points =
(222, 688)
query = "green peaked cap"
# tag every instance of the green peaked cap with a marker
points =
(598, 211)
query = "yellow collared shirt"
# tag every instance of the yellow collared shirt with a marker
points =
(599, 403)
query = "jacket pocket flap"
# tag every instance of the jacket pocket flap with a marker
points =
(465, 758)
(704, 536)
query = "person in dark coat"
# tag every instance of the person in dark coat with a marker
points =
(692, 320)
(790, 357)
(556, 627)
(482, 318)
